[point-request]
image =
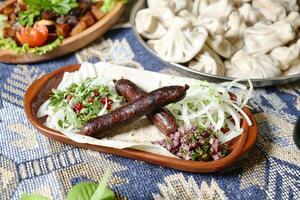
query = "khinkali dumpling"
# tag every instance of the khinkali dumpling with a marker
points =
(263, 37)
(214, 26)
(182, 4)
(207, 61)
(250, 14)
(236, 30)
(271, 9)
(220, 45)
(294, 68)
(190, 17)
(200, 5)
(259, 66)
(239, 3)
(236, 26)
(174, 5)
(158, 3)
(286, 55)
(220, 10)
(148, 25)
(181, 43)
(293, 18)
(289, 5)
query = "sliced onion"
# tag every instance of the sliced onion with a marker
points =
(214, 102)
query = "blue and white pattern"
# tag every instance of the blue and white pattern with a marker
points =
(31, 163)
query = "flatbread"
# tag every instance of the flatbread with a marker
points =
(138, 135)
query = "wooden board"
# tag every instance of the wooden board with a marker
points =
(70, 44)
(40, 90)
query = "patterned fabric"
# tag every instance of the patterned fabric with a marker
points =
(31, 163)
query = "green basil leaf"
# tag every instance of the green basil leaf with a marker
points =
(61, 7)
(27, 17)
(100, 192)
(108, 194)
(85, 191)
(33, 197)
(82, 191)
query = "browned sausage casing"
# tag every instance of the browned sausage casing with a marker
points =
(132, 111)
(162, 118)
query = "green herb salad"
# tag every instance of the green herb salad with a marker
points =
(72, 107)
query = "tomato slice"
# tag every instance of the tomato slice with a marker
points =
(34, 37)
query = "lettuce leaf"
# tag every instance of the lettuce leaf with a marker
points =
(108, 5)
(10, 44)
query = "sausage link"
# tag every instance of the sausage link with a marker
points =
(161, 118)
(103, 125)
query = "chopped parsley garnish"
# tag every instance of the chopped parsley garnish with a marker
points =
(83, 102)
(35, 8)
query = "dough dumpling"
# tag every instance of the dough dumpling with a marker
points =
(153, 4)
(220, 45)
(207, 61)
(214, 26)
(200, 5)
(148, 25)
(220, 10)
(289, 5)
(294, 68)
(293, 18)
(190, 17)
(182, 4)
(239, 3)
(257, 66)
(263, 37)
(286, 55)
(181, 43)
(174, 5)
(250, 14)
(236, 26)
(271, 9)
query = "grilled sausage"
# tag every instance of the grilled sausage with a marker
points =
(162, 118)
(132, 111)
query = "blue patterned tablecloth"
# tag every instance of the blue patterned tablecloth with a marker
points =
(31, 163)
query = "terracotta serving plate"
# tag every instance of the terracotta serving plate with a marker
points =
(70, 44)
(40, 90)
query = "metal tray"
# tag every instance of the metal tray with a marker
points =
(141, 4)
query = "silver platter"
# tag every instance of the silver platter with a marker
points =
(199, 75)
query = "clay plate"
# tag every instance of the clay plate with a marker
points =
(40, 90)
(70, 44)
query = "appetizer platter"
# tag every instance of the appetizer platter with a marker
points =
(176, 122)
(221, 40)
(33, 31)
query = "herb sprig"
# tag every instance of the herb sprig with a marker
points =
(82, 102)
(35, 8)
(108, 5)
(84, 191)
